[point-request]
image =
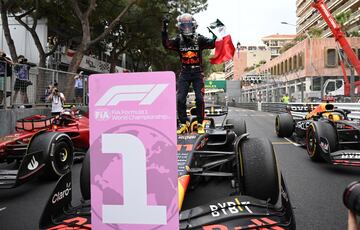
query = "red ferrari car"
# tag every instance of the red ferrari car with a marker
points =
(43, 146)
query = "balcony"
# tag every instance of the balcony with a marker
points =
(299, 2)
(341, 9)
(302, 10)
(327, 33)
(316, 16)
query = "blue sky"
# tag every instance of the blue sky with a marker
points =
(249, 20)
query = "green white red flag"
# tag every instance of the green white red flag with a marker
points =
(224, 47)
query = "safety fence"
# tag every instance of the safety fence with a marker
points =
(277, 108)
(22, 85)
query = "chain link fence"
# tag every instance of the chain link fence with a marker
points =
(24, 86)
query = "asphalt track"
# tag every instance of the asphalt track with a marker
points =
(315, 188)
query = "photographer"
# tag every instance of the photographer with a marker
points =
(5, 71)
(57, 100)
(22, 79)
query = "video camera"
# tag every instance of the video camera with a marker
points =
(351, 197)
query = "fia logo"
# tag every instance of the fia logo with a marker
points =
(102, 115)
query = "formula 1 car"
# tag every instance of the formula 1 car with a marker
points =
(226, 181)
(326, 132)
(43, 146)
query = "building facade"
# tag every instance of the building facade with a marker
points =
(275, 42)
(308, 17)
(301, 71)
(245, 58)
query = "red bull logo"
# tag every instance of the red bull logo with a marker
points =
(189, 54)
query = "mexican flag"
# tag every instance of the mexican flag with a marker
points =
(224, 48)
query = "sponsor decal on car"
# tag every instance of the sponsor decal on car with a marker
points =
(303, 124)
(254, 224)
(229, 208)
(350, 155)
(324, 144)
(33, 164)
(61, 195)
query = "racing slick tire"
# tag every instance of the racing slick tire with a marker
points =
(284, 125)
(85, 177)
(259, 171)
(239, 126)
(57, 149)
(317, 132)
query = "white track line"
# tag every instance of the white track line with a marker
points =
(296, 144)
(2, 209)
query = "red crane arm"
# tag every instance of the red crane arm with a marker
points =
(339, 36)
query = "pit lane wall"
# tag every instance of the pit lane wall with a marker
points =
(281, 107)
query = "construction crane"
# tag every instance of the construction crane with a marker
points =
(341, 41)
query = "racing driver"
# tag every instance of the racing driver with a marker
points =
(189, 45)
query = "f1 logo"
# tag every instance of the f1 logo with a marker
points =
(146, 94)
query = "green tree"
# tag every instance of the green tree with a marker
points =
(5, 7)
(342, 18)
(315, 32)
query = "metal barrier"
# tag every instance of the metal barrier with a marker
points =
(251, 106)
(273, 107)
(25, 85)
(281, 108)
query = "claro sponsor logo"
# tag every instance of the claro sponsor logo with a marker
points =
(61, 195)
(145, 94)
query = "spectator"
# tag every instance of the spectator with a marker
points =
(5, 70)
(285, 99)
(47, 93)
(22, 79)
(79, 88)
(57, 100)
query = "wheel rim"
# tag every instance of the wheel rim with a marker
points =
(311, 146)
(62, 160)
(63, 154)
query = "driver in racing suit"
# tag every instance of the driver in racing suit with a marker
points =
(189, 45)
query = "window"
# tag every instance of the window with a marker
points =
(301, 60)
(290, 64)
(330, 87)
(339, 84)
(295, 63)
(331, 58)
(286, 66)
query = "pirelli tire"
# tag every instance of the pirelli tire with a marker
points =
(321, 132)
(85, 177)
(259, 171)
(58, 152)
(239, 126)
(284, 125)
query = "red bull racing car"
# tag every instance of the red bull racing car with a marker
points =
(326, 132)
(226, 181)
(42, 145)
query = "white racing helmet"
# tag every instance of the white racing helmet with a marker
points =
(186, 24)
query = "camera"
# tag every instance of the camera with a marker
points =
(351, 197)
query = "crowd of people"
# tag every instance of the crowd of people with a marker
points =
(18, 75)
